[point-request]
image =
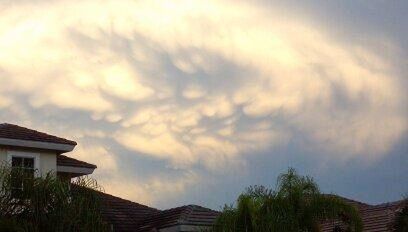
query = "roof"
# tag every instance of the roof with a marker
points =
(126, 216)
(376, 218)
(123, 215)
(11, 131)
(193, 215)
(63, 160)
(360, 205)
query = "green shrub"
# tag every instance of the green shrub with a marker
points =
(47, 203)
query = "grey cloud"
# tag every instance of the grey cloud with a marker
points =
(265, 91)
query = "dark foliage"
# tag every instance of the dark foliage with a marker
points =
(400, 223)
(296, 205)
(48, 203)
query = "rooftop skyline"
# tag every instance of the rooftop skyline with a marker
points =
(189, 102)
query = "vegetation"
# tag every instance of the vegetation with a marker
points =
(47, 203)
(296, 205)
(400, 223)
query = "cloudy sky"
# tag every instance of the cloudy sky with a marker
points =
(191, 101)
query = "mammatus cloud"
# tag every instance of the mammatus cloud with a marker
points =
(146, 189)
(194, 84)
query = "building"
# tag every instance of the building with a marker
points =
(34, 150)
(39, 151)
(376, 218)
(43, 153)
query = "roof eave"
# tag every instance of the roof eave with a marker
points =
(75, 170)
(36, 144)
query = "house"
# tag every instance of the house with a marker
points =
(376, 218)
(34, 150)
(127, 216)
(43, 153)
(39, 151)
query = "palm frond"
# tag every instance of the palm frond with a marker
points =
(296, 205)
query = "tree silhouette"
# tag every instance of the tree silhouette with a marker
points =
(48, 203)
(296, 205)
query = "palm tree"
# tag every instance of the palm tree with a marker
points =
(296, 205)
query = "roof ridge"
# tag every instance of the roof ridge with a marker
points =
(110, 195)
(59, 140)
(7, 124)
(187, 211)
(347, 199)
(390, 203)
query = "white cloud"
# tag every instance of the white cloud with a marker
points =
(165, 145)
(122, 82)
(98, 155)
(4, 102)
(197, 83)
(193, 92)
(149, 191)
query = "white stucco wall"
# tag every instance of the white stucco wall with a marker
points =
(47, 160)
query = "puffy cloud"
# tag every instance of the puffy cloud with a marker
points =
(162, 146)
(98, 155)
(200, 83)
(192, 92)
(122, 82)
(4, 102)
(152, 190)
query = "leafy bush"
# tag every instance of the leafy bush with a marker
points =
(48, 203)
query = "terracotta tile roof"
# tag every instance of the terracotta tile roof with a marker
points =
(358, 204)
(10, 131)
(376, 218)
(126, 216)
(63, 160)
(121, 214)
(193, 215)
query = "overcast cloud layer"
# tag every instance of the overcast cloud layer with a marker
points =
(191, 101)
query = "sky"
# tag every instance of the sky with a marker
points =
(190, 102)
